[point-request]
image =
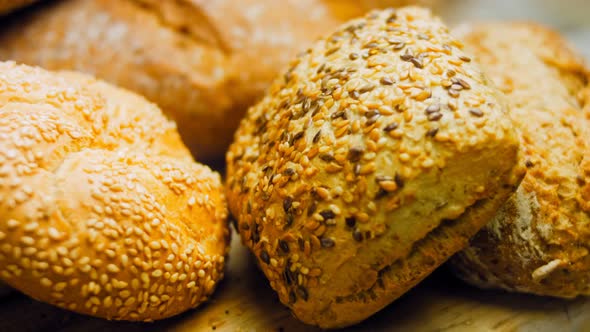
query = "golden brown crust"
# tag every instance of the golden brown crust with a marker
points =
(538, 241)
(203, 62)
(382, 4)
(343, 178)
(102, 210)
(7, 6)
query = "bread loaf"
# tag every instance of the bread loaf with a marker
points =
(538, 241)
(377, 155)
(203, 62)
(102, 209)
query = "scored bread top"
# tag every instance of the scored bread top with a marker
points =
(538, 241)
(371, 139)
(102, 210)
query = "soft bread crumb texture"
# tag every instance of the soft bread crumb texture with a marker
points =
(538, 242)
(203, 62)
(354, 177)
(103, 211)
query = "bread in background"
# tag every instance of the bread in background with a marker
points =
(203, 62)
(538, 242)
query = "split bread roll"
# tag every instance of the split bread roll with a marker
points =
(102, 209)
(7, 6)
(377, 155)
(539, 240)
(203, 62)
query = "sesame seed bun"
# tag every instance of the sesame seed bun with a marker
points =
(360, 171)
(539, 241)
(102, 209)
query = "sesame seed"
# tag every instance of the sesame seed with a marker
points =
(406, 56)
(264, 256)
(453, 93)
(386, 81)
(476, 112)
(434, 108)
(327, 214)
(435, 116)
(391, 126)
(357, 235)
(112, 268)
(417, 63)
(287, 203)
(465, 58)
(327, 242)
(391, 18)
(284, 246)
(432, 132)
(355, 153)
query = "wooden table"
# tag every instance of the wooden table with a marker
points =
(245, 302)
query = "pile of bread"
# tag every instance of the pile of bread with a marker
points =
(363, 153)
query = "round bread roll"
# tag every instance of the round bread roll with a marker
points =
(102, 209)
(539, 241)
(7, 6)
(204, 62)
(359, 173)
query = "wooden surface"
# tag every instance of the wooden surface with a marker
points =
(245, 302)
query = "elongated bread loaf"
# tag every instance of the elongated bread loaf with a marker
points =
(539, 241)
(204, 62)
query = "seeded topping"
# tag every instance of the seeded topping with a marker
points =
(284, 246)
(383, 118)
(145, 235)
(435, 116)
(432, 132)
(476, 112)
(434, 108)
(386, 81)
(265, 257)
(327, 242)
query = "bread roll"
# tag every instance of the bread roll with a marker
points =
(102, 209)
(7, 6)
(204, 62)
(360, 171)
(538, 241)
